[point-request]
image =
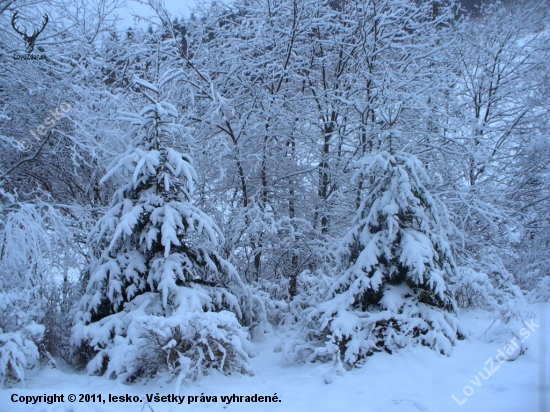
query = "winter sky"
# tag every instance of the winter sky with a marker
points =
(175, 7)
(183, 7)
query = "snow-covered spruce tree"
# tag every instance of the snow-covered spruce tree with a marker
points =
(159, 298)
(395, 262)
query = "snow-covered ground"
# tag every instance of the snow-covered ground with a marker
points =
(414, 379)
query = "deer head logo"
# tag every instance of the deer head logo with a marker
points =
(32, 38)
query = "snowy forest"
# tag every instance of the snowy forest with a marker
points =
(334, 183)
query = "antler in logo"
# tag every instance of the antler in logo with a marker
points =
(29, 39)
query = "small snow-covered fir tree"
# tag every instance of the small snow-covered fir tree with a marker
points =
(159, 298)
(395, 262)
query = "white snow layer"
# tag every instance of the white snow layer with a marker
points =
(412, 379)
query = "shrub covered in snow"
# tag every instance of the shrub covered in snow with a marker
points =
(20, 336)
(159, 297)
(29, 237)
(486, 284)
(541, 293)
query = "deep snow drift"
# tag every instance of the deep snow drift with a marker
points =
(413, 379)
